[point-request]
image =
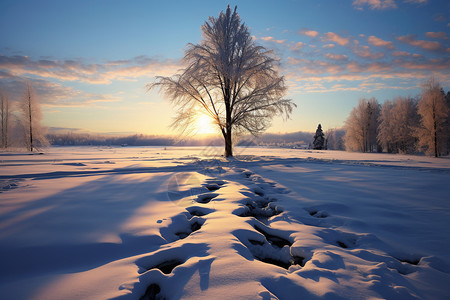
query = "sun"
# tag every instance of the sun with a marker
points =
(204, 125)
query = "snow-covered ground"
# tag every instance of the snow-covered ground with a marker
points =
(154, 223)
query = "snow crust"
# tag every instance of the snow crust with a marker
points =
(184, 223)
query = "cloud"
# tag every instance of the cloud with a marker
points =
(373, 40)
(329, 46)
(375, 4)
(338, 72)
(412, 40)
(52, 94)
(334, 37)
(416, 1)
(440, 18)
(336, 56)
(432, 64)
(297, 46)
(364, 52)
(401, 53)
(310, 33)
(77, 70)
(437, 35)
(51, 78)
(271, 39)
(294, 61)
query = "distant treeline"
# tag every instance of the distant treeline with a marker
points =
(298, 139)
(85, 139)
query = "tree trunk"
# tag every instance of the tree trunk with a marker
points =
(4, 114)
(31, 127)
(435, 132)
(228, 144)
(228, 125)
(435, 140)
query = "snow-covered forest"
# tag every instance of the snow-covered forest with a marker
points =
(402, 125)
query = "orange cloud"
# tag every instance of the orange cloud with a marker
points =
(53, 94)
(364, 52)
(297, 46)
(336, 56)
(437, 35)
(401, 53)
(427, 45)
(70, 70)
(271, 39)
(334, 37)
(373, 40)
(432, 64)
(310, 33)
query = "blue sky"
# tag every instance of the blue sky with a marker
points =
(90, 60)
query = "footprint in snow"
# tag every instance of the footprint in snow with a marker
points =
(213, 184)
(316, 213)
(339, 238)
(185, 233)
(267, 246)
(199, 211)
(408, 264)
(261, 209)
(165, 261)
(152, 292)
(247, 174)
(183, 225)
(206, 197)
(8, 185)
(167, 266)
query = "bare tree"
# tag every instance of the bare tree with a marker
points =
(385, 136)
(398, 121)
(433, 112)
(4, 114)
(230, 78)
(31, 119)
(335, 139)
(447, 102)
(362, 125)
(354, 129)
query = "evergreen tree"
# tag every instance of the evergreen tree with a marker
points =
(319, 139)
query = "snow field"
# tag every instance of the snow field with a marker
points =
(148, 223)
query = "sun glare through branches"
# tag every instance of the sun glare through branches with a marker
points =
(204, 125)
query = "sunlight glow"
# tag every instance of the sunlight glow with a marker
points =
(204, 125)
